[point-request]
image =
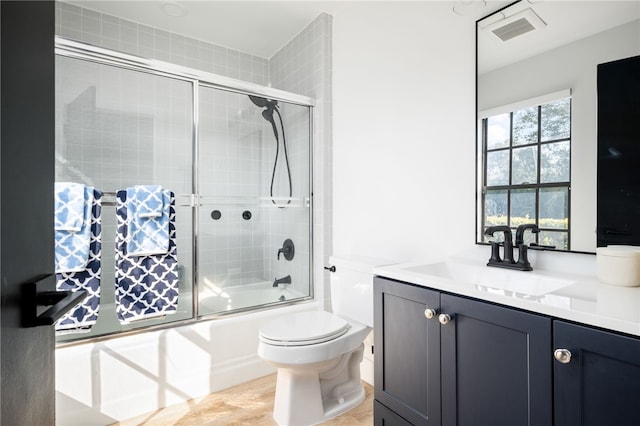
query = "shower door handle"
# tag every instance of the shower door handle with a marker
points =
(40, 294)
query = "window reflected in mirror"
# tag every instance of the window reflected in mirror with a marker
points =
(526, 155)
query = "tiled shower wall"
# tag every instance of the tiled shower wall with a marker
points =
(302, 66)
(130, 37)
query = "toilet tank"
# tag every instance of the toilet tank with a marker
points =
(352, 287)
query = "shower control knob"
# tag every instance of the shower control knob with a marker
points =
(562, 355)
(430, 313)
(444, 318)
(287, 249)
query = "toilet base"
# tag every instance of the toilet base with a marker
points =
(313, 395)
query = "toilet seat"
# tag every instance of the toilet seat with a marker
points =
(303, 328)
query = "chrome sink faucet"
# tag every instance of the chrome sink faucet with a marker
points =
(508, 261)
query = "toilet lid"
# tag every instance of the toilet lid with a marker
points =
(303, 328)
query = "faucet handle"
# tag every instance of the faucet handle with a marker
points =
(288, 249)
(495, 252)
(523, 260)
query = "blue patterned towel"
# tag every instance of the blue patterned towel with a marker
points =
(81, 318)
(146, 201)
(69, 206)
(72, 247)
(148, 220)
(146, 286)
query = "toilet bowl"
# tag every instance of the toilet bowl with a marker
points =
(318, 354)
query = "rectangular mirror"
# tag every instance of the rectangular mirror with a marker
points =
(537, 114)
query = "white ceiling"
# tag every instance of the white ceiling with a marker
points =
(260, 27)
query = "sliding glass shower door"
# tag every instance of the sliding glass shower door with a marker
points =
(254, 216)
(117, 128)
(232, 171)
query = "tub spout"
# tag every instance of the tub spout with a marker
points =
(285, 280)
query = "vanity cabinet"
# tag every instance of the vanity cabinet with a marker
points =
(598, 381)
(450, 360)
(443, 359)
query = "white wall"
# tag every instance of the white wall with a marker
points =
(404, 144)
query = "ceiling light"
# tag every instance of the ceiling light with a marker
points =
(468, 7)
(174, 9)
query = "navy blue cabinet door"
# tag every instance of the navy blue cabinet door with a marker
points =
(496, 365)
(407, 351)
(600, 383)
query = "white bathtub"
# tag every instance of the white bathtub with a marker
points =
(219, 300)
(103, 382)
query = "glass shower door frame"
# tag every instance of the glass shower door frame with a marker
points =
(82, 51)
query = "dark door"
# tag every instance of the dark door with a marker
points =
(598, 382)
(618, 181)
(496, 365)
(27, 390)
(407, 351)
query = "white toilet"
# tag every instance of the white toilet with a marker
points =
(318, 353)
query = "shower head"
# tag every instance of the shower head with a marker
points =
(261, 102)
(267, 114)
(258, 101)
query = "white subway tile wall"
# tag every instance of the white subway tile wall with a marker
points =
(103, 30)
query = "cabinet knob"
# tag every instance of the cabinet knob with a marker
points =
(430, 313)
(444, 318)
(562, 355)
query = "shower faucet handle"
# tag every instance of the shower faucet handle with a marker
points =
(287, 249)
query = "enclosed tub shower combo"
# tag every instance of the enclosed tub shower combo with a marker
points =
(180, 195)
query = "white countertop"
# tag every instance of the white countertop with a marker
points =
(563, 295)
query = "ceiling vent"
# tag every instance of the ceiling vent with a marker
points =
(516, 25)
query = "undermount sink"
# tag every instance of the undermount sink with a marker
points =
(528, 283)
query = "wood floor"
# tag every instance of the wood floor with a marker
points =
(246, 404)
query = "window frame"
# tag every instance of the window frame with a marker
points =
(510, 187)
